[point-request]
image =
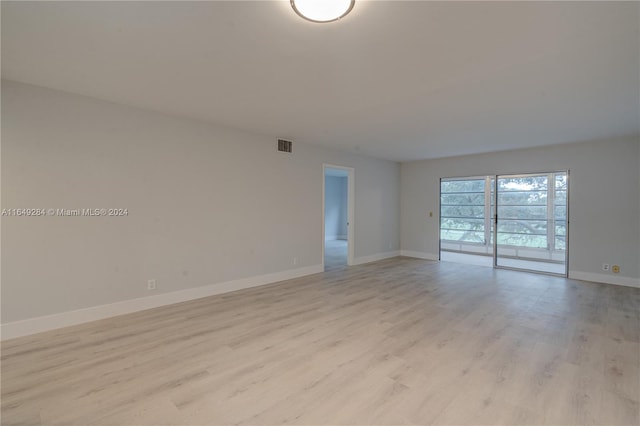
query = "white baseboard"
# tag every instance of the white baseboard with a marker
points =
(65, 319)
(606, 279)
(419, 255)
(375, 257)
(50, 322)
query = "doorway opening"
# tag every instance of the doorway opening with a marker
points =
(506, 221)
(337, 216)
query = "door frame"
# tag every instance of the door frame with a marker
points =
(351, 191)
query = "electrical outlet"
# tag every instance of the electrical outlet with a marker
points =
(151, 285)
(605, 267)
(615, 269)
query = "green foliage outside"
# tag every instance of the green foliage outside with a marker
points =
(523, 212)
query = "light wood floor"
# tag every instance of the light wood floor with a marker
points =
(401, 341)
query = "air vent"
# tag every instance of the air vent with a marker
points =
(284, 146)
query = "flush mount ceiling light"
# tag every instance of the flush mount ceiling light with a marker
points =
(322, 10)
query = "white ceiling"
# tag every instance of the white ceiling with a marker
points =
(395, 80)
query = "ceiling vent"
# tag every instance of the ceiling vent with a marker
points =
(284, 146)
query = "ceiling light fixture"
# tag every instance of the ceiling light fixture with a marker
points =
(322, 10)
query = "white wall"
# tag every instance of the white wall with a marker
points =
(335, 208)
(604, 201)
(206, 204)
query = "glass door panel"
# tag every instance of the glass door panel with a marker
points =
(462, 213)
(531, 223)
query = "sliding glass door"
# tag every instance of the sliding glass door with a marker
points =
(531, 222)
(529, 231)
